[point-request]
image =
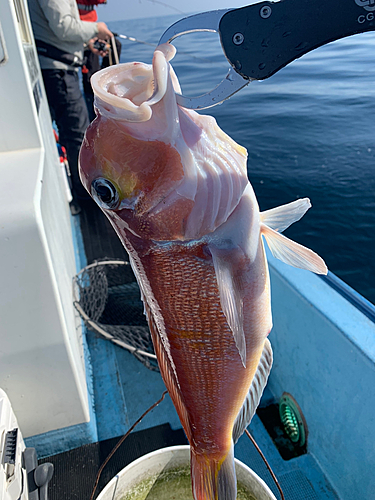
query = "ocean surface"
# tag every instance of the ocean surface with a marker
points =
(309, 131)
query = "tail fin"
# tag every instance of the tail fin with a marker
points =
(213, 479)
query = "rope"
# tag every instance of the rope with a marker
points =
(267, 464)
(117, 446)
(119, 443)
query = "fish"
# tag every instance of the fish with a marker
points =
(175, 188)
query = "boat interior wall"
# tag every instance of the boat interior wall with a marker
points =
(324, 352)
(42, 366)
(18, 131)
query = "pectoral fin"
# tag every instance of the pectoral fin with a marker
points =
(293, 253)
(230, 295)
(276, 220)
(255, 393)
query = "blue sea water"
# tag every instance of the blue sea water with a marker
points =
(309, 133)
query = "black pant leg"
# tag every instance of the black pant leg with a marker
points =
(92, 66)
(68, 109)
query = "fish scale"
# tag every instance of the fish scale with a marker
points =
(213, 390)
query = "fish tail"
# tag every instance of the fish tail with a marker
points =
(213, 479)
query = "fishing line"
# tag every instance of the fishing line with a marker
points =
(168, 6)
(117, 446)
(267, 464)
(133, 39)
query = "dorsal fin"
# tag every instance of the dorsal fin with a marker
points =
(230, 296)
(255, 393)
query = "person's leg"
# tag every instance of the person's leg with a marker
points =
(69, 111)
(92, 66)
(89, 99)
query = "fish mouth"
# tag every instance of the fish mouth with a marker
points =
(128, 91)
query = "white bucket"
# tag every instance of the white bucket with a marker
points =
(152, 465)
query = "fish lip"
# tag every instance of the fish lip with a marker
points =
(128, 91)
(108, 84)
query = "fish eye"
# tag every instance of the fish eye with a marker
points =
(105, 194)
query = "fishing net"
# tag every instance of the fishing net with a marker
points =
(108, 299)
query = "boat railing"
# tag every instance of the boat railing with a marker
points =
(355, 298)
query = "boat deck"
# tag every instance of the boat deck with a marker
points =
(124, 388)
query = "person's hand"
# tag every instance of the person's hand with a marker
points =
(101, 52)
(103, 32)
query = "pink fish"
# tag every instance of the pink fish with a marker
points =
(175, 188)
